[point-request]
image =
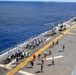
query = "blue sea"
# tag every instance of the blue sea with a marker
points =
(20, 21)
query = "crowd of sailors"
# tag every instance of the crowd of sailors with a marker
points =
(35, 42)
(15, 54)
(18, 53)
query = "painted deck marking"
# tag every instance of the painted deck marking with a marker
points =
(47, 39)
(73, 22)
(10, 63)
(3, 66)
(25, 73)
(56, 57)
(72, 33)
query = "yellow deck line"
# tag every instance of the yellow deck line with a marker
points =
(38, 52)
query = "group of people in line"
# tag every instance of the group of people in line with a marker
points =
(17, 54)
(43, 58)
(31, 44)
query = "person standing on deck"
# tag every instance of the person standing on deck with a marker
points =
(34, 57)
(50, 52)
(52, 43)
(32, 63)
(45, 55)
(41, 67)
(63, 48)
(17, 59)
(57, 42)
(28, 53)
(53, 63)
(39, 57)
(42, 60)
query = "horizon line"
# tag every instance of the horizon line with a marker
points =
(39, 1)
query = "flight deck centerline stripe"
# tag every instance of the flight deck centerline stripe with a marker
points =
(38, 52)
(56, 57)
(25, 73)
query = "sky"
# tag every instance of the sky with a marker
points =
(44, 0)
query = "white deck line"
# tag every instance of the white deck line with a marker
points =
(56, 57)
(73, 22)
(8, 65)
(24, 73)
(11, 63)
(48, 39)
(3, 66)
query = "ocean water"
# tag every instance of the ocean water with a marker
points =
(21, 20)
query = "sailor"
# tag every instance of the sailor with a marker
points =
(30, 44)
(34, 45)
(57, 42)
(17, 59)
(52, 43)
(63, 47)
(8, 53)
(39, 57)
(17, 53)
(37, 42)
(22, 54)
(34, 57)
(27, 45)
(9, 59)
(41, 67)
(42, 60)
(28, 53)
(40, 39)
(44, 38)
(50, 52)
(32, 63)
(45, 55)
(12, 55)
(53, 63)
